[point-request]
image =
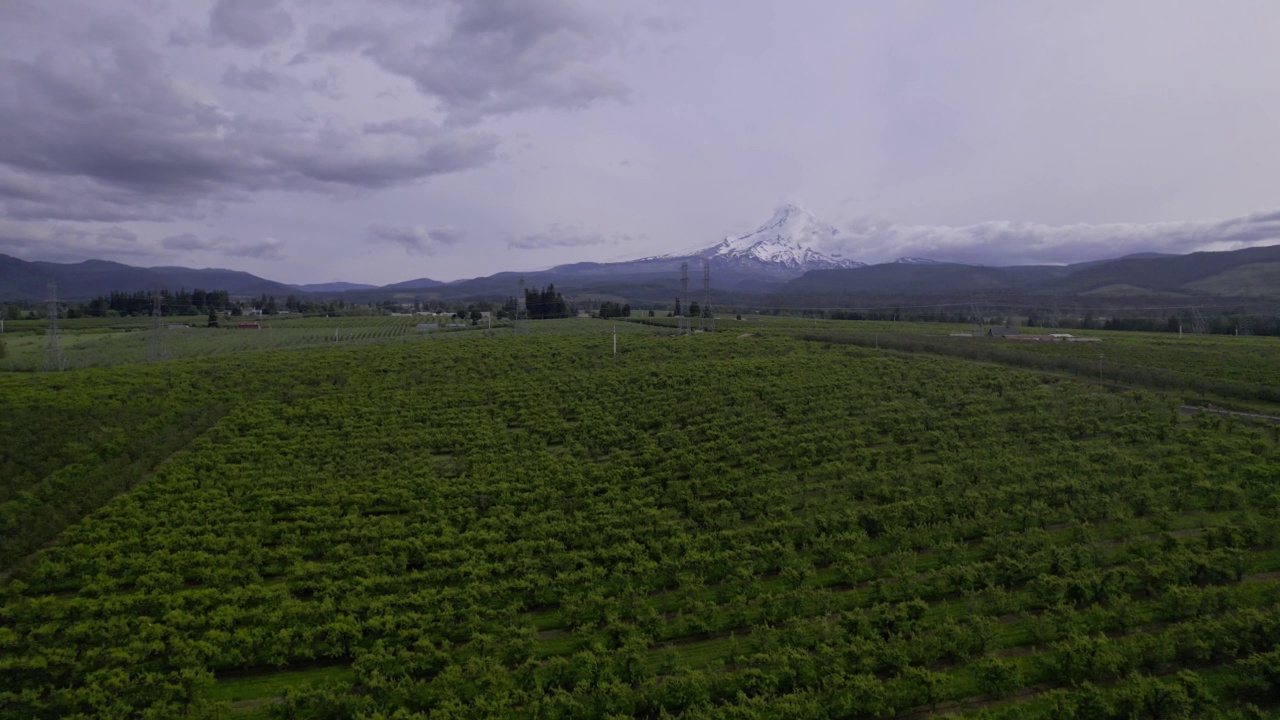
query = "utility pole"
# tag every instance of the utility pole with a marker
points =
(615, 341)
(53, 357)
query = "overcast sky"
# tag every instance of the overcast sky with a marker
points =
(376, 141)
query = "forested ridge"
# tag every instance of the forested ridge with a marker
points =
(707, 527)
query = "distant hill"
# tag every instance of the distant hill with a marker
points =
(1252, 271)
(29, 280)
(919, 278)
(419, 284)
(1203, 271)
(334, 287)
(1134, 256)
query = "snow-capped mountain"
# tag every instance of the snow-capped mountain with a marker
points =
(785, 243)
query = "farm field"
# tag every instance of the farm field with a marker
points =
(106, 343)
(739, 524)
(1242, 371)
(99, 343)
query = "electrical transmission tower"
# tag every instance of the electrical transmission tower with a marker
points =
(1199, 325)
(1244, 326)
(976, 317)
(520, 321)
(683, 300)
(1052, 321)
(708, 320)
(157, 352)
(53, 357)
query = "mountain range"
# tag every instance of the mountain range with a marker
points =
(781, 258)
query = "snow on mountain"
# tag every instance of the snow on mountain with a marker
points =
(915, 261)
(786, 242)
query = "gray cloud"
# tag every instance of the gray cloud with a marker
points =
(417, 239)
(265, 249)
(249, 23)
(402, 126)
(568, 236)
(1015, 243)
(495, 57)
(112, 136)
(326, 85)
(258, 78)
(67, 243)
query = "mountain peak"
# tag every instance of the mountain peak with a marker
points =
(786, 242)
(786, 210)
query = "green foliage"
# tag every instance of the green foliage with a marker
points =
(545, 303)
(704, 527)
(610, 309)
(997, 677)
(1250, 371)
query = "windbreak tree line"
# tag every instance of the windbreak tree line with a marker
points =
(181, 302)
(540, 304)
(610, 309)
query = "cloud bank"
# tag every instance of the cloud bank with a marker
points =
(1016, 243)
(418, 239)
(492, 57)
(102, 132)
(568, 236)
(265, 249)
